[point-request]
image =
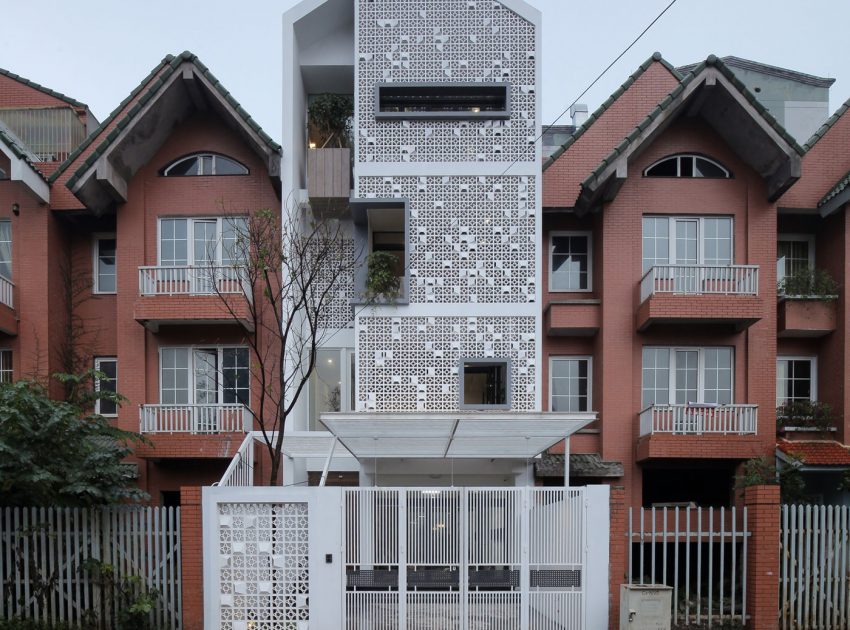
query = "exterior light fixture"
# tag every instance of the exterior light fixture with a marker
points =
(16, 209)
(312, 145)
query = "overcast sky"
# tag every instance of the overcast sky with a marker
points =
(97, 51)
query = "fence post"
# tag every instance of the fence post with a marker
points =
(762, 503)
(617, 553)
(191, 540)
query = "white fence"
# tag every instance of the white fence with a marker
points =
(191, 280)
(700, 552)
(43, 553)
(455, 558)
(7, 292)
(700, 280)
(204, 419)
(698, 419)
(814, 565)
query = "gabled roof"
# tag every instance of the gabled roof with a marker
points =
(23, 164)
(41, 88)
(578, 133)
(816, 452)
(763, 155)
(773, 71)
(826, 126)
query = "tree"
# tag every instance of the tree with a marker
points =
(56, 452)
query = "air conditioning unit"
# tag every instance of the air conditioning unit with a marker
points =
(645, 606)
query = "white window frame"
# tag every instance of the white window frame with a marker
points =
(571, 357)
(11, 250)
(809, 239)
(589, 237)
(11, 371)
(671, 234)
(98, 361)
(190, 236)
(678, 157)
(813, 370)
(96, 239)
(671, 387)
(199, 156)
(219, 348)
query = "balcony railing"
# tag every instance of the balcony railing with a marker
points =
(199, 419)
(700, 280)
(699, 419)
(7, 292)
(192, 280)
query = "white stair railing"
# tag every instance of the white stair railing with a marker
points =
(700, 280)
(240, 472)
(699, 419)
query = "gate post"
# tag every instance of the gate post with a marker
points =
(618, 552)
(762, 579)
(191, 554)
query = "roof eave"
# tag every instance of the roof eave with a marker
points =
(22, 171)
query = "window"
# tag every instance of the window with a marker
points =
(381, 226)
(6, 249)
(687, 241)
(570, 262)
(204, 376)
(484, 384)
(687, 166)
(331, 384)
(684, 376)
(203, 242)
(104, 264)
(204, 164)
(109, 367)
(570, 384)
(6, 374)
(796, 379)
(442, 100)
(795, 253)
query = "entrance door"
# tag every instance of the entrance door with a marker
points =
(205, 241)
(206, 390)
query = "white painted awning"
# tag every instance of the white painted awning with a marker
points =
(376, 435)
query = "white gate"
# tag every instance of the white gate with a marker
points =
(406, 558)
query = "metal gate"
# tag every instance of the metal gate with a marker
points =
(408, 558)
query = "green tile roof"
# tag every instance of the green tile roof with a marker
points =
(19, 151)
(817, 135)
(656, 56)
(41, 88)
(836, 190)
(165, 69)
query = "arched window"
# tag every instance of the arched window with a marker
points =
(204, 164)
(687, 165)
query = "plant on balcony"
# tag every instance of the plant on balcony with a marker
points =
(813, 284)
(806, 414)
(765, 471)
(382, 280)
(330, 119)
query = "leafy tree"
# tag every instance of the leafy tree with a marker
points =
(59, 452)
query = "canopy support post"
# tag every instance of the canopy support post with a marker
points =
(567, 462)
(328, 463)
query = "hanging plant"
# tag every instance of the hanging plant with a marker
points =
(382, 281)
(330, 119)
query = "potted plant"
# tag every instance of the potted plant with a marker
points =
(811, 284)
(804, 414)
(330, 120)
(382, 279)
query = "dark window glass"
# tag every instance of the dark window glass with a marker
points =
(236, 376)
(204, 164)
(109, 368)
(704, 168)
(485, 383)
(666, 168)
(686, 166)
(441, 98)
(226, 166)
(188, 166)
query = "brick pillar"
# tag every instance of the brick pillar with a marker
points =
(618, 554)
(762, 504)
(191, 540)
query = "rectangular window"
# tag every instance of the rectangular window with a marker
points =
(331, 384)
(570, 384)
(795, 253)
(6, 249)
(6, 374)
(205, 376)
(570, 262)
(687, 241)
(109, 367)
(684, 376)
(105, 278)
(796, 379)
(484, 384)
(442, 100)
(203, 242)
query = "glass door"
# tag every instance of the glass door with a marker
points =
(686, 252)
(205, 240)
(687, 391)
(206, 390)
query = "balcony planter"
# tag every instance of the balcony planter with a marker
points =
(806, 316)
(328, 174)
(804, 416)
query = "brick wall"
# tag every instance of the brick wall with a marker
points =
(763, 557)
(191, 542)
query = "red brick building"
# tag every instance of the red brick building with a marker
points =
(112, 230)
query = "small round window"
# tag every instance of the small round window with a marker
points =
(687, 166)
(204, 164)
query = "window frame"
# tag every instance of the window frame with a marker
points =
(190, 237)
(219, 348)
(97, 237)
(98, 361)
(678, 157)
(442, 115)
(163, 172)
(671, 367)
(7, 375)
(813, 375)
(11, 251)
(588, 235)
(571, 357)
(792, 237)
(485, 360)
(672, 258)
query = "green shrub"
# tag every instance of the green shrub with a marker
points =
(805, 414)
(330, 118)
(811, 283)
(382, 280)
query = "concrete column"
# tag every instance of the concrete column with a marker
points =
(762, 504)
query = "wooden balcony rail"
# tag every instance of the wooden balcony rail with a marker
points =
(700, 280)
(197, 419)
(699, 419)
(192, 280)
(7, 292)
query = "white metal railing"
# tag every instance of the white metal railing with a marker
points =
(51, 133)
(701, 553)
(192, 280)
(240, 472)
(700, 280)
(7, 292)
(215, 418)
(697, 419)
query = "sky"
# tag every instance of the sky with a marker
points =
(98, 51)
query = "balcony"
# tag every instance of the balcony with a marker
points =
(8, 317)
(802, 317)
(186, 294)
(703, 431)
(194, 419)
(329, 177)
(700, 294)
